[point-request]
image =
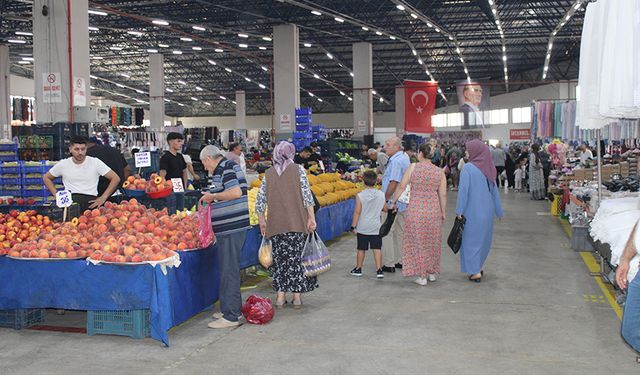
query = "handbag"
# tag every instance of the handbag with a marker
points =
(265, 254)
(385, 228)
(455, 237)
(406, 195)
(315, 256)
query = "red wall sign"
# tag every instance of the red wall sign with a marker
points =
(520, 134)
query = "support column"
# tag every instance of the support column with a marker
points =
(61, 58)
(156, 91)
(286, 78)
(241, 110)
(362, 90)
(5, 92)
(400, 111)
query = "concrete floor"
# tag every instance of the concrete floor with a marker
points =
(532, 314)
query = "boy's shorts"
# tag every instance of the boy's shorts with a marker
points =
(366, 242)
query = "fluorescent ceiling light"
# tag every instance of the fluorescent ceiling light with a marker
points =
(342, 93)
(437, 30)
(228, 70)
(378, 33)
(234, 102)
(400, 7)
(212, 62)
(429, 24)
(351, 74)
(167, 100)
(139, 91)
(320, 100)
(307, 45)
(381, 100)
(119, 85)
(198, 88)
(168, 90)
(349, 98)
(266, 38)
(199, 28)
(177, 52)
(180, 104)
(311, 94)
(163, 45)
(136, 33)
(97, 57)
(184, 39)
(262, 48)
(413, 15)
(392, 37)
(27, 58)
(329, 55)
(247, 79)
(114, 48)
(151, 50)
(420, 61)
(182, 82)
(262, 86)
(24, 62)
(25, 33)
(196, 48)
(93, 28)
(194, 99)
(504, 58)
(365, 28)
(414, 52)
(160, 22)
(494, 10)
(94, 77)
(98, 13)
(16, 41)
(219, 50)
(316, 13)
(577, 6)
(265, 68)
(243, 35)
(125, 75)
(207, 103)
(567, 18)
(222, 97)
(338, 19)
(316, 76)
(242, 45)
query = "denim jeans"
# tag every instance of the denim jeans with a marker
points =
(631, 318)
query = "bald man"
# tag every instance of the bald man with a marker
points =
(396, 166)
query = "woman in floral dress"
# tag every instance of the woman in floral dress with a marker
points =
(425, 216)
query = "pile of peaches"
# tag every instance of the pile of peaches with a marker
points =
(155, 184)
(18, 227)
(115, 233)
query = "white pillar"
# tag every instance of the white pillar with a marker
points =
(400, 111)
(362, 90)
(241, 110)
(61, 59)
(286, 77)
(5, 92)
(156, 91)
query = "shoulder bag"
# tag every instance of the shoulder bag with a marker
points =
(455, 237)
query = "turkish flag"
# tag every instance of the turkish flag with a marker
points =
(419, 105)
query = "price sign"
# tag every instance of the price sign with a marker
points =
(63, 199)
(143, 159)
(178, 187)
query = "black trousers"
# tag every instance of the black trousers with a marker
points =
(499, 170)
(83, 201)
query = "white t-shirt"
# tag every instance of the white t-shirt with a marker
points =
(187, 159)
(584, 156)
(80, 178)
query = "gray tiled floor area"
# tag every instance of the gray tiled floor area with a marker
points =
(529, 316)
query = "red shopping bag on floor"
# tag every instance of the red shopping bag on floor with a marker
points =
(258, 310)
(205, 230)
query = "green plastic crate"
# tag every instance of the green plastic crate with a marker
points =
(132, 323)
(21, 318)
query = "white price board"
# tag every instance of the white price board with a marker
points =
(285, 121)
(143, 159)
(178, 187)
(51, 87)
(63, 198)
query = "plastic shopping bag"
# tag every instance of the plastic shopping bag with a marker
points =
(205, 230)
(258, 310)
(265, 254)
(315, 256)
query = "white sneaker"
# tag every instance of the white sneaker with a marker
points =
(223, 323)
(432, 278)
(217, 315)
(420, 281)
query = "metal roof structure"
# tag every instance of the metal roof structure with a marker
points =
(214, 47)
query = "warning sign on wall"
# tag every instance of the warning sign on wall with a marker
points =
(51, 88)
(285, 121)
(79, 92)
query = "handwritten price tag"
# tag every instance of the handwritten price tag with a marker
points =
(63, 199)
(178, 187)
(143, 159)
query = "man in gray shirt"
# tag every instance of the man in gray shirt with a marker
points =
(499, 159)
(380, 158)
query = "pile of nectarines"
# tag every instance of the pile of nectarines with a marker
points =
(18, 227)
(126, 232)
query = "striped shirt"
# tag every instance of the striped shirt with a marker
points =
(229, 216)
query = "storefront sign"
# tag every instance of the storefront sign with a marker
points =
(79, 92)
(520, 134)
(285, 121)
(143, 159)
(51, 88)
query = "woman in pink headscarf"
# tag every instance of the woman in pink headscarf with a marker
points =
(479, 203)
(286, 193)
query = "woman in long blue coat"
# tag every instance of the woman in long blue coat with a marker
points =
(479, 203)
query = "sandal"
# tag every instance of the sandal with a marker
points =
(280, 305)
(477, 279)
(296, 306)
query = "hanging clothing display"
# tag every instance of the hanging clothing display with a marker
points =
(554, 118)
(126, 116)
(22, 109)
